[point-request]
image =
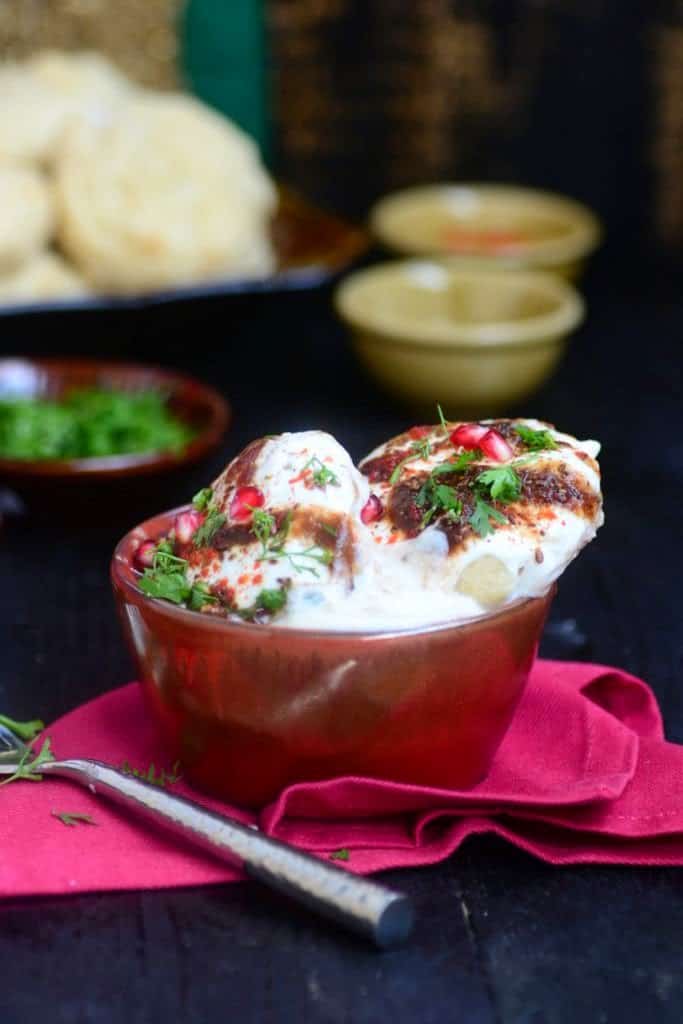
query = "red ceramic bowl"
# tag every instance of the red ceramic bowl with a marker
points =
(54, 482)
(249, 709)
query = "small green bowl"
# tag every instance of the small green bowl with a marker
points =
(502, 227)
(475, 340)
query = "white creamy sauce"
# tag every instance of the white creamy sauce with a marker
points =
(388, 583)
(284, 472)
(285, 467)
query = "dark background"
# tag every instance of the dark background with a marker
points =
(582, 97)
(500, 937)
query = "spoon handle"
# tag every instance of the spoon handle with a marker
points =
(372, 910)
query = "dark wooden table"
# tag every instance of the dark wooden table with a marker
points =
(501, 937)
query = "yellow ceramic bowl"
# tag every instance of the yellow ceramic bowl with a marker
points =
(474, 340)
(494, 226)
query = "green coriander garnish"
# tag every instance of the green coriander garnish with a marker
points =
(199, 596)
(171, 586)
(211, 525)
(165, 560)
(482, 515)
(536, 440)
(322, 474)
(313, 552)
(272, 600)
(167, 579)
(463, 461)
(501, 483)
(26, 731)
(342, 854)
(90, 423)
(202, 499)
(29, 766)
(282, 533)
(73, 819)
(329, 529)
(262, 526)
(273, 544)
(434, 497)
(418, 450)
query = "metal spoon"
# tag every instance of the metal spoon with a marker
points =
(380, 914)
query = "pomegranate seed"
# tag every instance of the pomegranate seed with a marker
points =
(468, 435)
(372, 510)
(186, 525)
(144, 556)
(418, 432)
(243, 501)
(494, 446)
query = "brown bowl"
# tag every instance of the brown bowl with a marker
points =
(59, 480)
(249, 709)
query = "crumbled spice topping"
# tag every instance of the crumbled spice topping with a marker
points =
(467, 508)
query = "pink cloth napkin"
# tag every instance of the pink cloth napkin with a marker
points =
(584, 775)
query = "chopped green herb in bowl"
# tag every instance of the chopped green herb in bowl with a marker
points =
(72, 431)
(90, 423)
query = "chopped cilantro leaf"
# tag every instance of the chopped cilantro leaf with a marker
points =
(167, 579)
(434, 497)
(272, 600)
(535, 440)
(73, 819)
(282, 534)
(342, 854)
(422, 448)
(199, 596)
(26, 731)
(418, 450)
(269, 601)
(500, 482)
(313, 552)
(202, 499)
(165, 561)
(213, 522)
(28, 764)
(262, 526)
(273, 544)
(482, 516)
(171, 586)
(90, 423)
(322, 474)
(463, 460)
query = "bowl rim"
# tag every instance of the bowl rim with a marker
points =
(584, 235)
(123, 577)
(124, 464)
(530, 331)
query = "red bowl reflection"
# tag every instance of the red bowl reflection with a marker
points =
(250, 709)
